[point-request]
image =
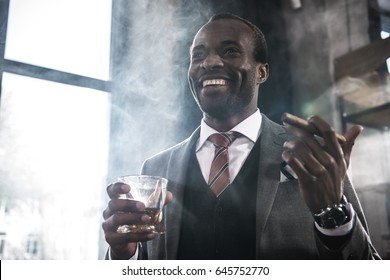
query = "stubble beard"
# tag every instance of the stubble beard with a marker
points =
(232, 106)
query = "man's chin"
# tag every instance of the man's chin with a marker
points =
(218, 113)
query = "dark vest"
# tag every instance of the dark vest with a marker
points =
(224, 227)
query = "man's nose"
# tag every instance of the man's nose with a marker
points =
(212, 61)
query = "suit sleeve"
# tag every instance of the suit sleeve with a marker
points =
(356, 244)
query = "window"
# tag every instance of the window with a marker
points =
(54, 126)
(72, 36)
(32, 245)
(2, 243)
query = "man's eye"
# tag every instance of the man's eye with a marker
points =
(231, 51)
(196, 55)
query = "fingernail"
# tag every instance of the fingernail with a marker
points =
(145, 218)
(140, 206)
(124, 188)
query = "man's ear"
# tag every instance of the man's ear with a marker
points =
(262, 73)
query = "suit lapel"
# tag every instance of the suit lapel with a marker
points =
(177, 172)
(271, 148)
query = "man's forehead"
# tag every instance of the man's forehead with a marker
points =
(225, 29)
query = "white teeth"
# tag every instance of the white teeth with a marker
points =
(214, 82)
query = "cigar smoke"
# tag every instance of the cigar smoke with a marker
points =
(151, 105)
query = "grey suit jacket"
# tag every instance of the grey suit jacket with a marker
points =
(284, 225)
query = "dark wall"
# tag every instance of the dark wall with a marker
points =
(275, 95)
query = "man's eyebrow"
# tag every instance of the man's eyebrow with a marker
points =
(198, 47)
(230, 42)
(224, 43)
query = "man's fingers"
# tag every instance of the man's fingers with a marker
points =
(115, 189)
(295, 164)
(351, 136)
(329, 136)
(114, 238)
(309, 151)
(114, 221)
(123, 205)
(294, 121)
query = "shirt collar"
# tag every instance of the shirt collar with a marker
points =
(250, 128)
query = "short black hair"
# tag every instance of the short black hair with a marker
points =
(261, 49)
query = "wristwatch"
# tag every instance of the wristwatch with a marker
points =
(333, 215)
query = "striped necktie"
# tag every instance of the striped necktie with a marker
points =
(219, 172)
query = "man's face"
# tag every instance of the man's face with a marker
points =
(223, 73)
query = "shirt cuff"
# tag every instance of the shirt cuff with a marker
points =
(343, 229)
(132, 258)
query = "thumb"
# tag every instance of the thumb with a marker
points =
(350, 136)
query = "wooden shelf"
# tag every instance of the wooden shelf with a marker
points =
(377, 117)
(357, 64)
(363, 60)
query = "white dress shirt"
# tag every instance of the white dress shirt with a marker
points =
(238, 150)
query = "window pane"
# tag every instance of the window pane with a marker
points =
(54, 151)
(67, 35)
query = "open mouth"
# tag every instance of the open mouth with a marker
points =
(215, 82)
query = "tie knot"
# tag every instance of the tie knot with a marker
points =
(223, 139)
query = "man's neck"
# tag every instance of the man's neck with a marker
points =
(226, 124)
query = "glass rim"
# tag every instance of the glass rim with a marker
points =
(165, 180)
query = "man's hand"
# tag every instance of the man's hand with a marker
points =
(320, 167)
(121, 212)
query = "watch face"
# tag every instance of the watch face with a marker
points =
(332, 217)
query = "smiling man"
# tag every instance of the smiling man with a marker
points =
(230, 193)
(224, 73)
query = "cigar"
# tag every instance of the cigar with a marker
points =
(305, 125)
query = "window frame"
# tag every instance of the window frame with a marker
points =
(52, 75)
(33, 71)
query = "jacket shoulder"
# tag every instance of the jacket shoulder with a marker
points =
(159, 161)
(276, 131)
